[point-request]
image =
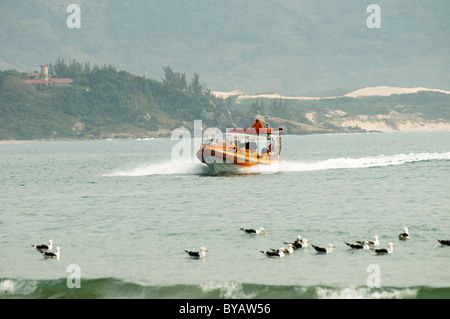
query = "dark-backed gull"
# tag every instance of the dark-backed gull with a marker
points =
(289, 250)
(299, 243)
(279, 253)
(405, 235)
(258, 231)
(49, 254)
(444, 242)
(364, 245)
(44, 247)
(383, 251)
(197, 254)
(326, 250)
(375, 243)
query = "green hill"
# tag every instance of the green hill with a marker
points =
(104, 102)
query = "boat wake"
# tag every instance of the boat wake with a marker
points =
(196, 168)
(165, 168)
(362, 162)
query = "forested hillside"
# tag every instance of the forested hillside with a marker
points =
(104, 101)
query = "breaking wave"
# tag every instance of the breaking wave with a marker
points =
(106, 288)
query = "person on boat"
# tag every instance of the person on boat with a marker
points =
(232, 147)
(257, 125)
(265, 151)
(241, 148)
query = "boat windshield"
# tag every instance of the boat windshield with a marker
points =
(260, 144)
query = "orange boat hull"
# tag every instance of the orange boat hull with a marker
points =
(221, 159)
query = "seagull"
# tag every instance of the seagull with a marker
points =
(302, 243)
(279, 253)
(297, 242)
(384, 251)
(327, 250)
(196, 254)
(288, 250)
(376, 242)
(365, 245)
(48, 254)
(405, 235)
(258, 231)
(42, 248)
(444, 242)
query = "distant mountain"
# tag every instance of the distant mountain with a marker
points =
(286, 46)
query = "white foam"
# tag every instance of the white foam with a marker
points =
(227, 290)
(13, 287)
(365, 293)
(7, 287)
(350, 163)
(165, 168)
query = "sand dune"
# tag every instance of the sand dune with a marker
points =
(368, 91)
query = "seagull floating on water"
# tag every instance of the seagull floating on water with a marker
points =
(289, 250)
(405, 235)
(279, 253)
(42, 248)
(197, 254)
(258, 231)
(302, 243)
(444, 242)
(376, 242)
(48, 254)
(365, 245)
(383, 251)
(322, 250)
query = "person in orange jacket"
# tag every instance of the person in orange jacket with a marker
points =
(257, 125)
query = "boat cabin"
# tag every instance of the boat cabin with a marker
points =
(261, 143)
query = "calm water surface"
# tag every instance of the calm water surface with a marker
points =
(124, 212)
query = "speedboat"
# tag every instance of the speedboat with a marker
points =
(237, 149)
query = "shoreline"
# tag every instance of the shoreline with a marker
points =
(137, 137)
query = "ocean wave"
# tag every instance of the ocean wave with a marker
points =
(366, 293)
(111, 288)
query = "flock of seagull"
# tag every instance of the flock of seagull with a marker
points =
(302, 243)
(46, 250)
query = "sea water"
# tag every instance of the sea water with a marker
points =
(123, 213)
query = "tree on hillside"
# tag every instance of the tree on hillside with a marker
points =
(175, 80)
(74, 70)
(195, 86)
